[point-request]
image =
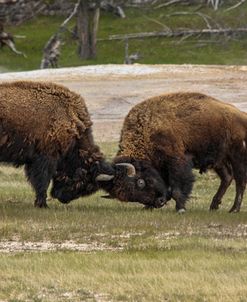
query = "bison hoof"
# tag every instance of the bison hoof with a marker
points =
(234, 210)
(41, 205)
(181, 211)
(214, 205)
(214, 208)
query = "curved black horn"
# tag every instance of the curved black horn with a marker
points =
(131, 170)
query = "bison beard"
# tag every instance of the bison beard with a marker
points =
(76, 172)
(67, 188)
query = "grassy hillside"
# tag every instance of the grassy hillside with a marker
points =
(194, 50)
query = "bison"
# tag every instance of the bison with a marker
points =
(47, 128)
(173, 133)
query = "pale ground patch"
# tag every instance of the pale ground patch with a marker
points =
(216, 231)
(88, 296)
(10, 246)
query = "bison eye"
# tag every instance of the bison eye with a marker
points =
(141, 183)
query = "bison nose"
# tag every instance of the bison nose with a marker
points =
(160, 202)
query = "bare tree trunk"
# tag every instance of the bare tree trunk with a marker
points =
(87, 28)
(83, 29)
(94, 31)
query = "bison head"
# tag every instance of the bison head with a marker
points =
(71, 182)
(67, 187)
(137, 181)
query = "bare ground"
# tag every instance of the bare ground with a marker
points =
(219, 232)
(9, 246)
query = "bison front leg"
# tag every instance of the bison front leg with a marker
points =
(225, 174)
(39, 174)
(181, 180)
(176, 165)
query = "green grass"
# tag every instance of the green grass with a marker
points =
(145, 255)
(178, 275)
(203, 50)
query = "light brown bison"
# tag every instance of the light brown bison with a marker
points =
(174, 133)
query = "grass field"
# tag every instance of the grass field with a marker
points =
(193, 50)
(130, 255)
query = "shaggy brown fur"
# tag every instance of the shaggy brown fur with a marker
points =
(174, 131)
(47, 128)
(46, 114)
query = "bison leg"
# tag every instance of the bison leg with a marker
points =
(180, 199)
(239, 173)
(181, 180)
(226, 177)
(39, 174)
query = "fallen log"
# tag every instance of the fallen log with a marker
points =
(178, 33)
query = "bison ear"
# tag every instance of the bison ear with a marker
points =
(104, 177)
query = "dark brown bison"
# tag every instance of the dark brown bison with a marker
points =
(174, 133)
(47, 128)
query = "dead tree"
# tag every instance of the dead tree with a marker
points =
(179, 33)
(87, 28)
(88, 14)
(51, 52)
(215, 3)
(235, 5)
(116, 9)
(132, 58)
(7, 39)
(88, 22)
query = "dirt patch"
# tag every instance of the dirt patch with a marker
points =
(79, 295)
(111, 90)
(216, 231)
(9, 246)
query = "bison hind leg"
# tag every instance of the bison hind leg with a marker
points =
(226, 176)
(239, 173)
(39, 173)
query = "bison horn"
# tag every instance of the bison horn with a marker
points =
(131, 170)
(104, 177)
